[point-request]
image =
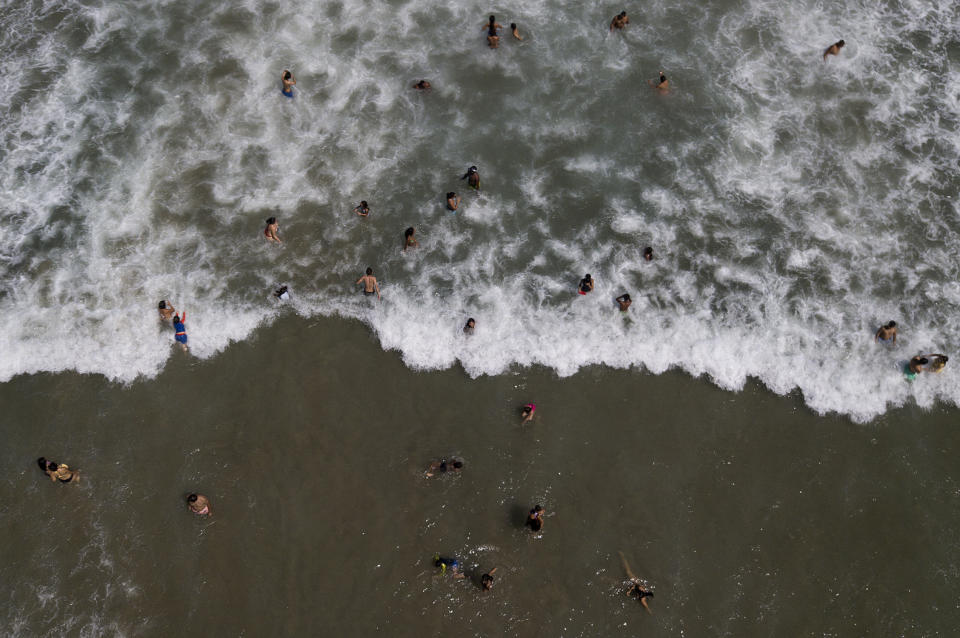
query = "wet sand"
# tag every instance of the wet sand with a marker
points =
(745, 513)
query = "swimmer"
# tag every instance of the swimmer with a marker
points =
(887, 334)
(624, 301)
(648, 254)
(363, 210)
(444, 563)
(48, 467)
(180, 333)
(270, 232)
(58, 471)
(473, 177)
(515, 33)
(636, 586)
(619, 21)
(282, 293)
(470, 326)
(486, 581)
(370, 285)
(288, 82)
(833, 49)
(535, 518)
(492, 38)
(422, 85)
(527, 413)
(443, 466)
(661, 84)
(166, 310)
(409, 241)
(453, 201)
(199, 504)
(586, 284)
(937, 362)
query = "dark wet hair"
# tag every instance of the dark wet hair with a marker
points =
(840, 43)
(192, 498)
(625, 296)
(363, 203)
(493, 19)
(587, 276)
(513, 25)
(892, 324)
(470, 171)
(663, 78)
(271, 220)
(923, 361)
(623, 14)
(286, 75)
(451, 195)
(648, 253)
(408, 232)
(51, 465)
(458, 464)
(163, 304)
(369, 270)
(537, 508)
(471, 320)
(944, 358)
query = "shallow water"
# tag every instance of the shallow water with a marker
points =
(794, 204)
(741, 511)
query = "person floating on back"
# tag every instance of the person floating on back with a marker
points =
(422, 85)
(586, 284)
(288, 82)
(535, 518)
(887, 334)
(527, 413)
(199, 504)
(363, 210)
(180, 330)
(370, 285)
(492, 38)
(833, 49)
(270, 232)
(473, 177)
(619, 21)
(58, 471)
(409, 240)
(624, 301)
(453, 201)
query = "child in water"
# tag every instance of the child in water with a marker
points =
(527, 412)
(535, 518)
(181, 330)
(443, 563)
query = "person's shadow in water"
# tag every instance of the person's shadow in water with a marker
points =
(518, 515)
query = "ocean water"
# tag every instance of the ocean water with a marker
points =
(793, 204)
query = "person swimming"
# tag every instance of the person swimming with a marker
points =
(624, 301)
(586, 284)
(288, 81)
(282, 293)
(422, 85)
(452, 563)
(166, 310)
(370, 285)
(887, 334)
(270, 232)
(833, 49)
(198, 504)
(453, 201)
(527, 413)
(492, 38)
(486, 581)
(661, 84)
(443, 466)
(180, 334)
(473, 177)
(58, 471)
(515, 32)
(470, 326)
(619, 21)
(535, 518)
(362, 209)
(648, 253)
(409, 241)
(636, 586)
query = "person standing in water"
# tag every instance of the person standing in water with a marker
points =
(58, 471)
(492, 38)
(624, 301)
(486, 581)
(288, 83)
(473, 178)
(470, 326)
(833, 49)
(166, 310)
(363, 210)
(370, 285)
(180, 330)
(422, 85)
(586, 285)
(887, 334)
(619, 21)
(516, 34)
(535, 518)
(453, 201)
(270, 232)
(409, 241)
(199, 504)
